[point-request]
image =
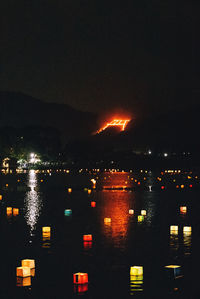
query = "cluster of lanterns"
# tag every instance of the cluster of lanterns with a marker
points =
(12, 211)
(25, 272)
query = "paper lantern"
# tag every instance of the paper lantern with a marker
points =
(69, 190)
(183, 210)
(174, 229)
(68, 212)
(23, 281)
(143, 212)
(140, 218)
(23, 271)
(136, 270)
(131, 212)
(162, 187)
(173, 271)
(182, 186)
(15, 211)
(107, 220)
(93, 204)
(9, 211)
(87, 237)
(1, 197)
(80, 278)
(28, 263)
(89, 191)
(187, 230)
(46, 232)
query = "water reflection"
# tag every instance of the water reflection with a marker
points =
(33, 202)
(115, 206)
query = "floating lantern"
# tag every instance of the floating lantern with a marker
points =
(93, 204)
(190, 186)
(107, 220)
(87, 237)
(69, 190)
(23, 271)
(28, 263)
(131, 212)
(9, 211)
(1, 197)
(182, 186)
(187, 230)
(173, 271)
(174, 229)
(140, 218)
(183, 210)
(6, 185)
(15, 211)
(162, 187)
(80, 278)
(143, 212)
(46, 232)
(68, 212)
(136, 270)
(89, 191)
(23, 281)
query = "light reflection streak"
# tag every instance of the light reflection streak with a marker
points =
(33, 203)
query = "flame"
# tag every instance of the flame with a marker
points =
(116, 122)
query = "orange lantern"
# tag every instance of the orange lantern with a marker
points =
(107, 221)
(69, 190)
(15, 211)
(28, 263)
(87, 238)
(89, 191)
(1, 197)
(80, 278)
(23, 271)
(93, 204)
(183, 210)
(9, 211)
(131, 212)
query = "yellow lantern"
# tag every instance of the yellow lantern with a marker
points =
(143, 212)
(140, 218)
(89, 191)
(136, 270)
(46, 232)
(23, 271)
(15, 211)
(187, 230)
(28, 263)
(107, 221)
(174, 229)
(9, 211)
(69, 190)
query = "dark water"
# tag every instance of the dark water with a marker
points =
(115, 247)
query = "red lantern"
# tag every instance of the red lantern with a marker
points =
(162, 187)
(87, 238)
(80, 278)
(190, 185)
(93, 204)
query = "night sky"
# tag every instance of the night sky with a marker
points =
(100, 55)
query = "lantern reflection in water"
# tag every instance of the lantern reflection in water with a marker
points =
(23, 281)
(187, 239)
(33, 203)
(80, 288)
(115, 204)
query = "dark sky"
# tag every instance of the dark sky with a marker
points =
(99, 55)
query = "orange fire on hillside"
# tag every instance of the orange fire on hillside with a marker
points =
(122, 123)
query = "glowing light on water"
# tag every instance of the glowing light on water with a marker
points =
(33, 202)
